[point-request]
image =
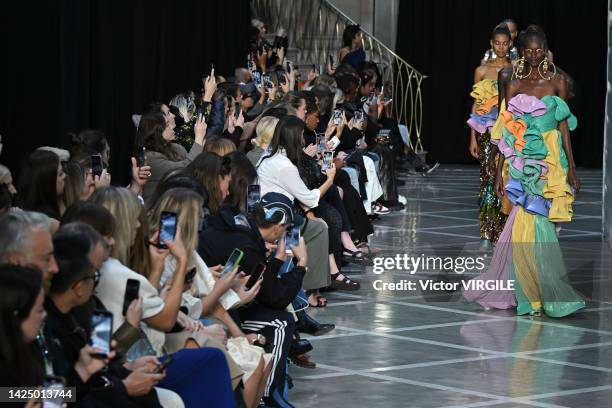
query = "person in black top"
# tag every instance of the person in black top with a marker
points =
(25, 239)
(69, 308)
(230, 229)
(21, 316)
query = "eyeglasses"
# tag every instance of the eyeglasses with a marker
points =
(95, 278)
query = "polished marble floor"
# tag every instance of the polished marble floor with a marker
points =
(418, 348)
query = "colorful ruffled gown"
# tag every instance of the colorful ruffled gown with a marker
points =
(490, 214)
(528, 250)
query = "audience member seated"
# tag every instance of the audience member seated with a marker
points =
(156, 135)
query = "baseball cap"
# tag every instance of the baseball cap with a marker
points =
(275, 203)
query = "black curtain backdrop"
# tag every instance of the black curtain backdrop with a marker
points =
(446, 39)
(74, 64)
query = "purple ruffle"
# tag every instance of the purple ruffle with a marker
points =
(517, 162)
(533, 204)
(522, 104)
(498, 270)
(482, 123)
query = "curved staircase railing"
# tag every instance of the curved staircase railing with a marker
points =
(314, 29)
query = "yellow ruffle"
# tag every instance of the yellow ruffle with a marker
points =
(523, 256)
(556, 189)
(486, 95)
(497, 129)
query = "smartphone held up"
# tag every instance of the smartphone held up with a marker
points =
(233, 262)
(167, 228)
(102, 331)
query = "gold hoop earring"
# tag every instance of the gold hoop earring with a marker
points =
(543, 69)
(519, 69)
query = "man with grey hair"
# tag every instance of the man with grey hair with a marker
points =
(25, 239)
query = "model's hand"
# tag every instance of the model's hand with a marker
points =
(573, 180)
(474, 148)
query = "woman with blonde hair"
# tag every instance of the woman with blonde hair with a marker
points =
(213, 296)
(220, 146)
(264, 131)
(199, 376)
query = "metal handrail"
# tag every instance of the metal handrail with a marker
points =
(314, 29)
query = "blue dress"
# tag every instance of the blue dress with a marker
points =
(201, 378)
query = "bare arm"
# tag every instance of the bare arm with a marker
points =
(211, 301)
(478, 76)
(342, 54)
(220, 313)
(572, 177)
(503, 77)
(510, 89)
(166, 319)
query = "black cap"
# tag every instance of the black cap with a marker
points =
(249, 91)
(277, 202)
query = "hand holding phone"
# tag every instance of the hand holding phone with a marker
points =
(267, 82)
(167, 228)
(102, 331)
(132, 289)
(255, 275)
(251, 62)
(292, 238)
(334, 142)
(253, 197)
(328, 158)
(233, 262)
(257, 78)
(96, 165)
(142, 157)
(162, 367)
(358, 116)
(55, 385)
(337, 118)
(321, 143)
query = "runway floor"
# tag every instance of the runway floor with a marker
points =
(415, 349)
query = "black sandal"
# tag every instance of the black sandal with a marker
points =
(356, 257)
(344, 284)
(370, 253)
(321, 301)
